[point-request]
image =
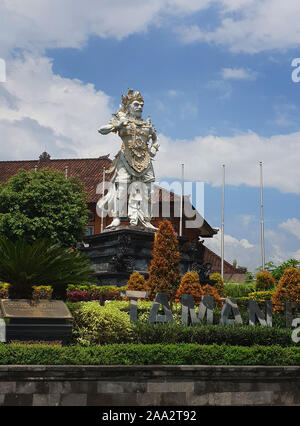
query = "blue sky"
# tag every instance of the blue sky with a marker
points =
(216, 77)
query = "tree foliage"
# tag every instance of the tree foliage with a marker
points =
(164, 270)
(219, 284)
(43, 204)
(277, 271)
(288, 289)
(264, 281)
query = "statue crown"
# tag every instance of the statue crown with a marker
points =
(130, 97)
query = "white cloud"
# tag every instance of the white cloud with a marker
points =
(37, 25)
(245, 25)
(241, 153)
(39, 109)
(292, 225)
(238, 74)
(251, 26)
(242, 250)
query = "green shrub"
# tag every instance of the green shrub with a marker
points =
(261, 296)
(219, 284)
(157, 354)
(211, 334)
(238, 289)
(264, 281)
(100, 324)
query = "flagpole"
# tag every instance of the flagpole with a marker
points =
(103, 188)
(181, 199)
(262, 237)
(222, 226)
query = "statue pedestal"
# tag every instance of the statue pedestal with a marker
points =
(118, 252)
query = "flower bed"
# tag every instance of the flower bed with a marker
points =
(88, 292)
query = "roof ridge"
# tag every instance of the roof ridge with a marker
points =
(102, 157)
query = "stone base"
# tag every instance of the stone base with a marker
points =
(118, 252)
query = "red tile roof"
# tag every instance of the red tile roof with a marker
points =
(88, 170)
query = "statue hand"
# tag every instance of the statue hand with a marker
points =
(104, 130)
(154, 148)
(121, 123)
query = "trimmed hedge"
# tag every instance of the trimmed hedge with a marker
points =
(211, 334)
(179, 354)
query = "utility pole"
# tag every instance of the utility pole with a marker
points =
(181, 199)
(222, 226)
(103, 189)
(262, 237)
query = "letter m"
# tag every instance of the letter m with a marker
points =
(188, 309)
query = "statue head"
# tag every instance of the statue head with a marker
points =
(133, 104)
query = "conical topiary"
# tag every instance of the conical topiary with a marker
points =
(164, 270)
(288, 289)
(136, 282)
(190, 284)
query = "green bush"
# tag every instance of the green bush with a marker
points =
(211, 334)
(264, 281)
(238, 289)
(219, 284)
(260, 296)
(100, 324)
(158, 354)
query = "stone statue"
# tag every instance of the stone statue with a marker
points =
(132, 167)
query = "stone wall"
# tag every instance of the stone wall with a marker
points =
(149, 385)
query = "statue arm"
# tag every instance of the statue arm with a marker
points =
(154, 145)
(105, 130)
(113, 126)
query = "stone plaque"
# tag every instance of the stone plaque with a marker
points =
(23, 308)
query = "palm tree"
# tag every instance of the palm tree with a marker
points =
(24, 264)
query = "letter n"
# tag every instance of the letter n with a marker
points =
(255, 312)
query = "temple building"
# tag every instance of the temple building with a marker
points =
(90, 173)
